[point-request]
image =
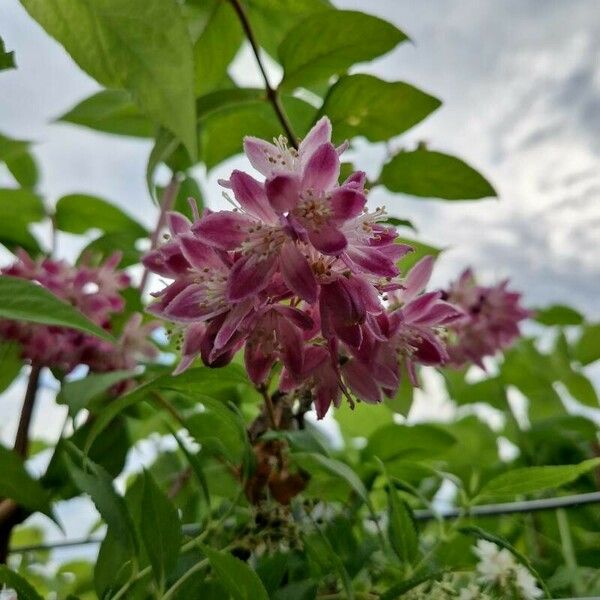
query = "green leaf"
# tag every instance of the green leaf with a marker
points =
(400, 223)
(363, 105)
(18, 209)
(581, 388)
(329, 42)
(222, 130)
(237, 577)
(533, 479)
(200, 381)
(587, 348)
(78, 213)
(97, 251)
(273, 19)
(24, 169)
(160, 530)
(93, 480)
(7, 59)
(11, 363)
(11, 580)
(78, 394)
(216, 47)
(409, 442)
(558, 314)
(337, 469)
(402, 530)
(142, 46)
(18, 485)
(430, 174)
(110, 111)
(419, 250)
(22, 300)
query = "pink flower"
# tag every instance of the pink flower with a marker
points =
(490, 322)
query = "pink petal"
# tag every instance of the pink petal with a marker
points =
(357, 180)
(258, 152)
(360, 381)
(232, 322)
(249, 275)
(251, 196)
(372, 260)
(322, 169)
(188, 305)
(418, 307)
(258, 364)
(417, 277)
(199, 255)
(297, 273)
(347, 203)
(292, 345)
(224, 229)
(283, 192)
(178, 223)
(430, 350)
(328, 239)
(298, 317)
(319, 134)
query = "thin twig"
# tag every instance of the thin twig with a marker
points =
(269, 405)
(22, 438)
(272, 93)
(166, 204)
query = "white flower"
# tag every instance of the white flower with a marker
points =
(8, 594)
(527, 584)
(472, 592)
(495, 565)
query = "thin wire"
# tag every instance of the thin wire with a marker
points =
(483, 510)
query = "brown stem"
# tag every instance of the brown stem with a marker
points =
(269, 406)
(272, 94)
(166, 204)
(22, 439)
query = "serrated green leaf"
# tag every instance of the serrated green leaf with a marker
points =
(430, 174)
(22, 300)
(237, 577)
(10, 579)
(78, 213)
(160, 529)
(142, 46)
(363, 105)
(110, 111)
(558, 314)
(18, 485)
(329, 42)
(527, 480)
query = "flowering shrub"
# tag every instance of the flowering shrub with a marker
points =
(213, 358)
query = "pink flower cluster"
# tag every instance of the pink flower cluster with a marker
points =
(300, 272)
(94, 291)
(490, 323)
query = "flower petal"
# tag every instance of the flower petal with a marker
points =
(199, 255)
(232, 322)
(251, 196)
(319, 134)
(258, 152)
(322, 170)
(190, 305)
(225, 229)
(360, 381)
(372, 260)
(328, 239)
(177, 222)
(347, 203)
(417, 277)
(282, 192)
(249, 275)
(297, 273)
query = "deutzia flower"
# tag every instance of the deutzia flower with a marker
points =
(8, 594)
(496, 565)
(527, 584)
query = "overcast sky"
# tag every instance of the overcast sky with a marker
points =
(520, 82)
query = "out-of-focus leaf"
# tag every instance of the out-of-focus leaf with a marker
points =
(331, 41)
(363, 105)
(18, 209)
(13, 581)
(239, 579)
(408, 442)
(78, 394)
(362, 421)
(399, 223)
(273, 19)
(587, 348)
(22, 300)
(111, 111)
(106, 245)
(402, 530)
(581, 388)
(78, 213)
(142, 46)
(18, 485)
(558, 314)
(160, 530)
(430, 174)
(419, 251)
(10, 363)
(222, 130)
(216, 47)
(7, 59)
(200, 381)
(15, 154)
(533, 479)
